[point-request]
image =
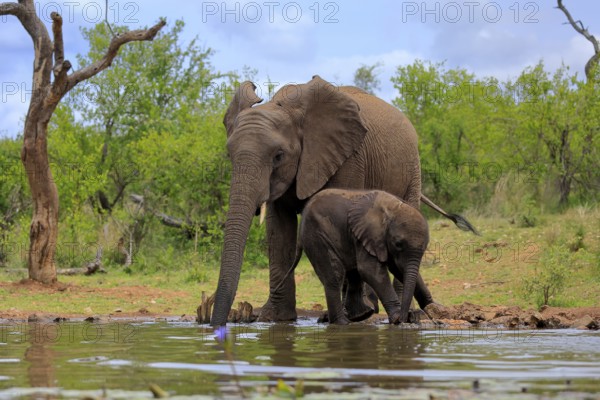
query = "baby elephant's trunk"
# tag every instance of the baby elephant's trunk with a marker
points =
(411, 272)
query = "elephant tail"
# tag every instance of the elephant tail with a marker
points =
(460, 221)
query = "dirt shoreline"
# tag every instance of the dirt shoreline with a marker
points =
(460, 316)
(463, 316)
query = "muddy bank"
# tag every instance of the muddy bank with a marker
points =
(468, 314)
(136, 303)
(461, 316)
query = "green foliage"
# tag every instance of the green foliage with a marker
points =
(549, 277)
(576, 242)
(141, 146)
(513, 148)
(256, 247)
(14, 196)
(365, 77)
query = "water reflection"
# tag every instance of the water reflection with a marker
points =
(186, 358)
(41, 357)
(354, 346)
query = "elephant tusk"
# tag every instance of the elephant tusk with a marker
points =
(263, 213)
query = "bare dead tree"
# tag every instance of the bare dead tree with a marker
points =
(51, 82)
(578, 26)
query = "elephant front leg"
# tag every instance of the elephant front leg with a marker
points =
(376, 276)
(282, 228)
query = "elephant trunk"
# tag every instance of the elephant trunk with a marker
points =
(411, 274)
(243, 202)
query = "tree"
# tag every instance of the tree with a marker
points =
(557, 125)
(366, 78)
(591, 65)
(445, 106)
(158, 113)
(51, 82)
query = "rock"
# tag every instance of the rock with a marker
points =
(583, 323)
(536, 320)
(204, 310)
(437, 311)
(470, 313)
(40, 318)
(455, 323)
(553, 323)
(509, 321)
(244, 313)
(490, 315)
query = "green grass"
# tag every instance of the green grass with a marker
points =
(458, 267)
(493, 275)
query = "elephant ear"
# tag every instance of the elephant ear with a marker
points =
(331, 128)
(244, 97)
(368, 218)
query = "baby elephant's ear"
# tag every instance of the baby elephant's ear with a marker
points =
(367, 219)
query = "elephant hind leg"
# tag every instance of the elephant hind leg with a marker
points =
(354, 301)
(330, 269)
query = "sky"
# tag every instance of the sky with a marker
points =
(290, 41)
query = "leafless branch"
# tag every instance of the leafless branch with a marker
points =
(61, 66)
(106, 19)
(12, 9)
(578, 26)
(116, 43)
(59, 48)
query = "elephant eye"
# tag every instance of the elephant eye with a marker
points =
(399, 245)
(278, 157)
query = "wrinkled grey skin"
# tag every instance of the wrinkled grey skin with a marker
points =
(308, 137)
(363, 234)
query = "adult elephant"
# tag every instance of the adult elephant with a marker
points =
(308, 137)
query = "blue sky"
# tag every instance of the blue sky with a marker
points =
(289, 41)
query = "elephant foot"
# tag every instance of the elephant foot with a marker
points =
(360, 315)
(340, 321)
(359, 309)
(395, 318)
(271, 313)
(413, 317)
(324, 318)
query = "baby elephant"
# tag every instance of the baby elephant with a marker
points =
(357, 234)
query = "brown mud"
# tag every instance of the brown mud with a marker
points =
(461, 316)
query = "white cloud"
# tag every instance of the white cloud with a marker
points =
(366, 33)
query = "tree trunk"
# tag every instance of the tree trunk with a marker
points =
(564, 187)
(43, 232)
(49, 62)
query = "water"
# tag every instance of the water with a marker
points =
(71, 360)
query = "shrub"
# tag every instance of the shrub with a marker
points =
(549, 276)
